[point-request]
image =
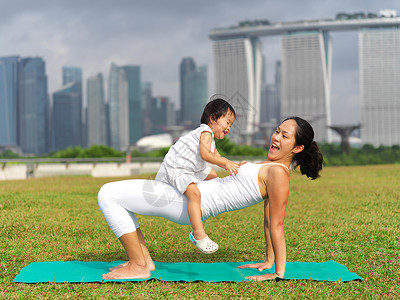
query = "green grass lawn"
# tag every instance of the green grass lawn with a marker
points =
(350, 215)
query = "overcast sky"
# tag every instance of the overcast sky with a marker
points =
(157, 34)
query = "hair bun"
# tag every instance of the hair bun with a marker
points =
(314, 159)
(310, 159)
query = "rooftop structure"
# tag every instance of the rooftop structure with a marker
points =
(281, 28)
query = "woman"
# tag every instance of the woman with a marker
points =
(267, 181)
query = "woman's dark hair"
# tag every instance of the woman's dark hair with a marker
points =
(215, 109)
(310, 159)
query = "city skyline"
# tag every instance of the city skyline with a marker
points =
(124, 34)
(37, 122)
(67, 103)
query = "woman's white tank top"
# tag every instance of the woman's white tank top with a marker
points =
(232, 192)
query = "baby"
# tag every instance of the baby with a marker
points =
(185, 164)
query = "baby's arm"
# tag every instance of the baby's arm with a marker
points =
(214, 157)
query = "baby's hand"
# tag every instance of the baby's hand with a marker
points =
(242, 162)
(232, 167)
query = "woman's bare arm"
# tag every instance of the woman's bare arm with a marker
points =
(274, 214)
(278, 186)
(270, 255)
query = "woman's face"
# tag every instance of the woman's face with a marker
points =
(282, 144)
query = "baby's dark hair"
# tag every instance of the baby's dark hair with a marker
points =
(310, 159)
(215, 109)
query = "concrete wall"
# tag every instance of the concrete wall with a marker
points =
(12, 171)
(24, 171)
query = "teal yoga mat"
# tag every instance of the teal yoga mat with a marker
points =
(78, 271)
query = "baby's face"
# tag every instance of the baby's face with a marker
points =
(222, 126)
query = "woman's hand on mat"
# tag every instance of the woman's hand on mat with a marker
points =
(263, 277)
(259, 266)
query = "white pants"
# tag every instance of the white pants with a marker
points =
(118, 201)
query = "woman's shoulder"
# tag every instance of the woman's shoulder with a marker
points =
(274, 166)
(274, 172)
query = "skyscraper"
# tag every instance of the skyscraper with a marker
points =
(8, 100)
(97, 113)
(194, 87)
(306, 79)
(66, 117)
(270, 100)
(112, 105)
(162, 114)
(118, 104)
(71, 74)
(32, 106)
(74, 74)
(379, 65)
(133, 77)
(147, 96)
(186, 66)
(269, 107)
(278, 84)
(238, 70)
(124, 106)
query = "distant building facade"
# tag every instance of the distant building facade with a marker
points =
(186, 66)
(74, 74)
(306, 79)
(33, 106)
(118, 108)
(379, 68)
(24, 104)
(133, 77)
(67, 117)
(8, 100)
(124, 106)
(71, 74)
(147, 96)
(270, 99)
(195, 92)
(278, 85)
(238, 66)
(270, 105)
(96, 111)
(162, 114)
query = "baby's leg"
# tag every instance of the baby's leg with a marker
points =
(194, 209)
(211, 175)
(198, 236)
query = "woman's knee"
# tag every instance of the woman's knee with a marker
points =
(103, 195)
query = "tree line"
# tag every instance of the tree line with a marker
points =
(364, 155)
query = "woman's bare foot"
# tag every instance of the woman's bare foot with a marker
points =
(151, 265)
(118, 267)
(128, 271)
